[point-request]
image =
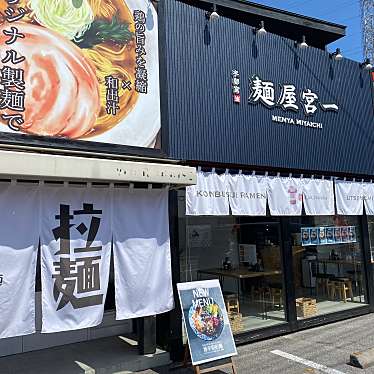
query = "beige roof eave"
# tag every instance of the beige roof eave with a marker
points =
(28, 165)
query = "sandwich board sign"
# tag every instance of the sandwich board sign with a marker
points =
(206, 321)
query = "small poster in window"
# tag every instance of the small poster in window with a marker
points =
(352, 234)
(248, 253)
(330, 235)
(337, 235)
(344, 234)
(199, 236)
(314, 236)
(322, 235)
(305, 236)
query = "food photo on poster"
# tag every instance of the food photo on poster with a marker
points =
(206, 322)
(80, 70)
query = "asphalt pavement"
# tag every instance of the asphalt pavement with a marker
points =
(324, 349)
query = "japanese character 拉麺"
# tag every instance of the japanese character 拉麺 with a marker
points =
(75, 277)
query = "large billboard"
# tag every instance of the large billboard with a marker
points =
(80, 70)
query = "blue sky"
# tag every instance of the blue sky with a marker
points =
(344, 12)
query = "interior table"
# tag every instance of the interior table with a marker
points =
(238, 274)
(338, 263)
(355, 274)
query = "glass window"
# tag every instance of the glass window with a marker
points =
(327, 264)
(244, 254)
(371, 236)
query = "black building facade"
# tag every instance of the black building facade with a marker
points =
(204, 123)
(204, 127)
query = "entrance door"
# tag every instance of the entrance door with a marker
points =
(248, 249)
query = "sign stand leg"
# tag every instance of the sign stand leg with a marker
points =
(199, 370)
(186, 356)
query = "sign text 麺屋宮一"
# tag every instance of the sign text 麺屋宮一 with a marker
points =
(263, 92)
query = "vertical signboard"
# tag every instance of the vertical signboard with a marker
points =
(80, 69)
(206, 321)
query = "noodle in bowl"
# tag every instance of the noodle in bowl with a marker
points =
(137, 120)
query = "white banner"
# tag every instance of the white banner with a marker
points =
(318, 197)
(19, 236)
(209, 196)
(247, 195)
(284, 196)
(142, 264)
(369, 198)
(349, 198)
(76, 245)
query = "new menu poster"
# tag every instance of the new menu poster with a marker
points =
(206, 321)
(80, 69)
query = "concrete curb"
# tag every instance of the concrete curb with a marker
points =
(363, 359)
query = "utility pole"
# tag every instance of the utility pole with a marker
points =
(367, 26)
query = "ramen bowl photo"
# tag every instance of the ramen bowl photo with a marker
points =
(88, 70)
(206, 321)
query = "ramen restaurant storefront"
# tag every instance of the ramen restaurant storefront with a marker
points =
(279, 134)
